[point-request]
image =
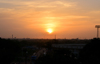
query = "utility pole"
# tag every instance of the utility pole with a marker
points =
(97, 26)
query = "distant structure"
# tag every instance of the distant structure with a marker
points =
(15, 37)
(55, 36)
(74, 48)
(97, 26)
(12, 36)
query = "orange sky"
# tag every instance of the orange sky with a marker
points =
(31, 19)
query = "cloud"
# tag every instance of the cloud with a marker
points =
(38, 3)
(95, 12)
(74, 17)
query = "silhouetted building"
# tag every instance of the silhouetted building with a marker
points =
(74, 48)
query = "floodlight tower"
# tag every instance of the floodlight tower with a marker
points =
(97, 26)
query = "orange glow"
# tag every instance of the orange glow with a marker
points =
(49, 31)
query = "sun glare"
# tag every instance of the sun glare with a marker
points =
(49, 31)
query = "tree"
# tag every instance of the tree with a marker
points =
(9, 50)
(91, 52)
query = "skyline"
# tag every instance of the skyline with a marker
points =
(32, 18)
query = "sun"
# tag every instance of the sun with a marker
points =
(49, 31)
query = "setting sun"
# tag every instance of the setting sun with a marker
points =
(49, 31)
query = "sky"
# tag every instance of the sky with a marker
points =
(66, 18)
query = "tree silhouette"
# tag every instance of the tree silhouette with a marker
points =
(9, 50)
(91, 52)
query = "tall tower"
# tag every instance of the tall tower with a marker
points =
(97, 26)
(12, 36)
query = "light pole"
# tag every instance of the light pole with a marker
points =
(97, 26)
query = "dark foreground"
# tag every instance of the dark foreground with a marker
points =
(21, 52)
